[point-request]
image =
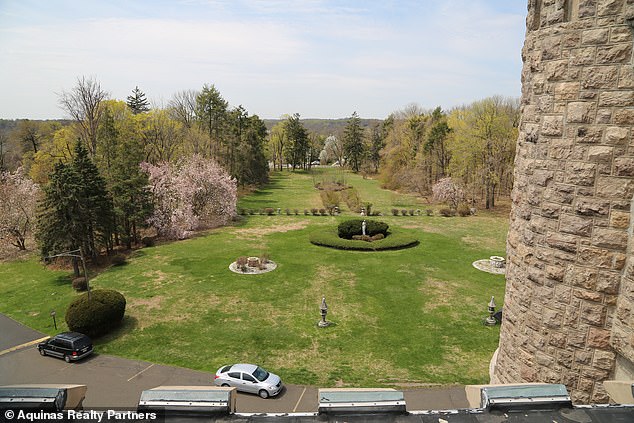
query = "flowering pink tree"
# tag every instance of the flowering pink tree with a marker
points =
(18, 204)
(193, 194)
(446, 190)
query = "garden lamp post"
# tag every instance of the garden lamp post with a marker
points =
(490, 321)
(53, 316)
(324, 310)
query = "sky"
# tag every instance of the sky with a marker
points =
(318, 58)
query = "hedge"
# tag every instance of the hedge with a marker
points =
(330, 238)
(98, 315)
(348, 228)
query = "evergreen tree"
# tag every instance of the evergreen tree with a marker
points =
(353, 142)
(77, 210)
(137, 101)
(297, 146)
(252, 166)
(377, 142)
(211, 114)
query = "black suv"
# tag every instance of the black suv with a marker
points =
(71, 346)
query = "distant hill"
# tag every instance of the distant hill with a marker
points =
(325, 126)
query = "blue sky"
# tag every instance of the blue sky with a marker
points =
(322, 59)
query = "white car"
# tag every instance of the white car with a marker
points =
(249, 378)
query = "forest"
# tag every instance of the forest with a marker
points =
(121, 165)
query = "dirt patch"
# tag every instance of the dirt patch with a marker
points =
(267, 230)
(440, 293)
(149, 303)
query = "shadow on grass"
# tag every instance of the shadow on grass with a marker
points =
(128, 325)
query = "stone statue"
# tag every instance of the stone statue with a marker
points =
(363, 228)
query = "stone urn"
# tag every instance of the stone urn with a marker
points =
(497, 262)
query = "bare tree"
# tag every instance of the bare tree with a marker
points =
(182, 107)
(83, 104)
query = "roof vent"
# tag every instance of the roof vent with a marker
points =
(380, 401)
(188, 400)
(525, 397)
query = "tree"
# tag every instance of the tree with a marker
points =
(377, 142)
(211, 110)
(250, 165)
(278, 139)
(482, 145)
(83, 104)
(183, 106)
(436, 142)
(76, 211)
(333, 151)
(191, 194)
(297, 148)
(18, 206)
(448, 191)
(137, 101)
(353, 142)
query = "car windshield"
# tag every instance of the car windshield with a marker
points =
(261, 374)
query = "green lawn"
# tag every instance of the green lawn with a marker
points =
(412, 315)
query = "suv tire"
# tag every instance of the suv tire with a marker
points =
(67, 358)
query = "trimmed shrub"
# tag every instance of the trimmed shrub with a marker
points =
(79, 284)
(329, 238)
(394, 212)
(377, 237)
(447, 212)
(288, 212)
(306, 212)
(330, 199)
(352, 199)
(269, 211)
(148, 241)
(464, 210)
(296, 212)
(315, 212)
(323, 212)
(404, 212)
(98, 315)
(366, 238)
(347, 229)
(429, 212)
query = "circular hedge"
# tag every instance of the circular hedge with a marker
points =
(330, 238)
(97, 315)
(348, 228)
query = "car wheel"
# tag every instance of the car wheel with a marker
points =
(225, 385)
(67, 358)
(263, 393)
(42, 352)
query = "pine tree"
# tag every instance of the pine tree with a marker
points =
(137, 101)
(353, 142)
(76, 210)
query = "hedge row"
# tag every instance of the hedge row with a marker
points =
(347, 229)
(330, 238)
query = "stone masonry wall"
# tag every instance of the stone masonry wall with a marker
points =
(574, 181)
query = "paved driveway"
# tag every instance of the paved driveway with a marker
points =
(118, 382)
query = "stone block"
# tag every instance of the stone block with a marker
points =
(609, 7)
(552, 126)
(567, 91)
(595, 36)
(613, 239)
(600, 154)
(579, 112)
(598, 338)
(588, 295)
(608, 282)
(604, 116)
(626, 76)
(614, 187)
(624, 166)
(575, 225)
(620, 220)
(556, 70)
(604, 360)
(587, 9)
(623, 117)
(600, 77)
(551, 48)
(619, 34)
(618, 53)
(590, 134)
(616, 99)
(593, 314)
(598, 257)
(583, 357)
(562, 242)
(583, 56)
(580, 173)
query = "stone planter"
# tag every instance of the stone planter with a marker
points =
(497, 262)
(253, 262)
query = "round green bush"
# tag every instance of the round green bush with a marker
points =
(396, 240)
(347, 229)
(97, 315)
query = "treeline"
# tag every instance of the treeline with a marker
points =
(95, 193)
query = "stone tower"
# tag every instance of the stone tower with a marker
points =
(569, 305)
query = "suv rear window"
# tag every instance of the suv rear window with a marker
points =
(81, 342)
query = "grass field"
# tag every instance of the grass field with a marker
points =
(405, 316)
